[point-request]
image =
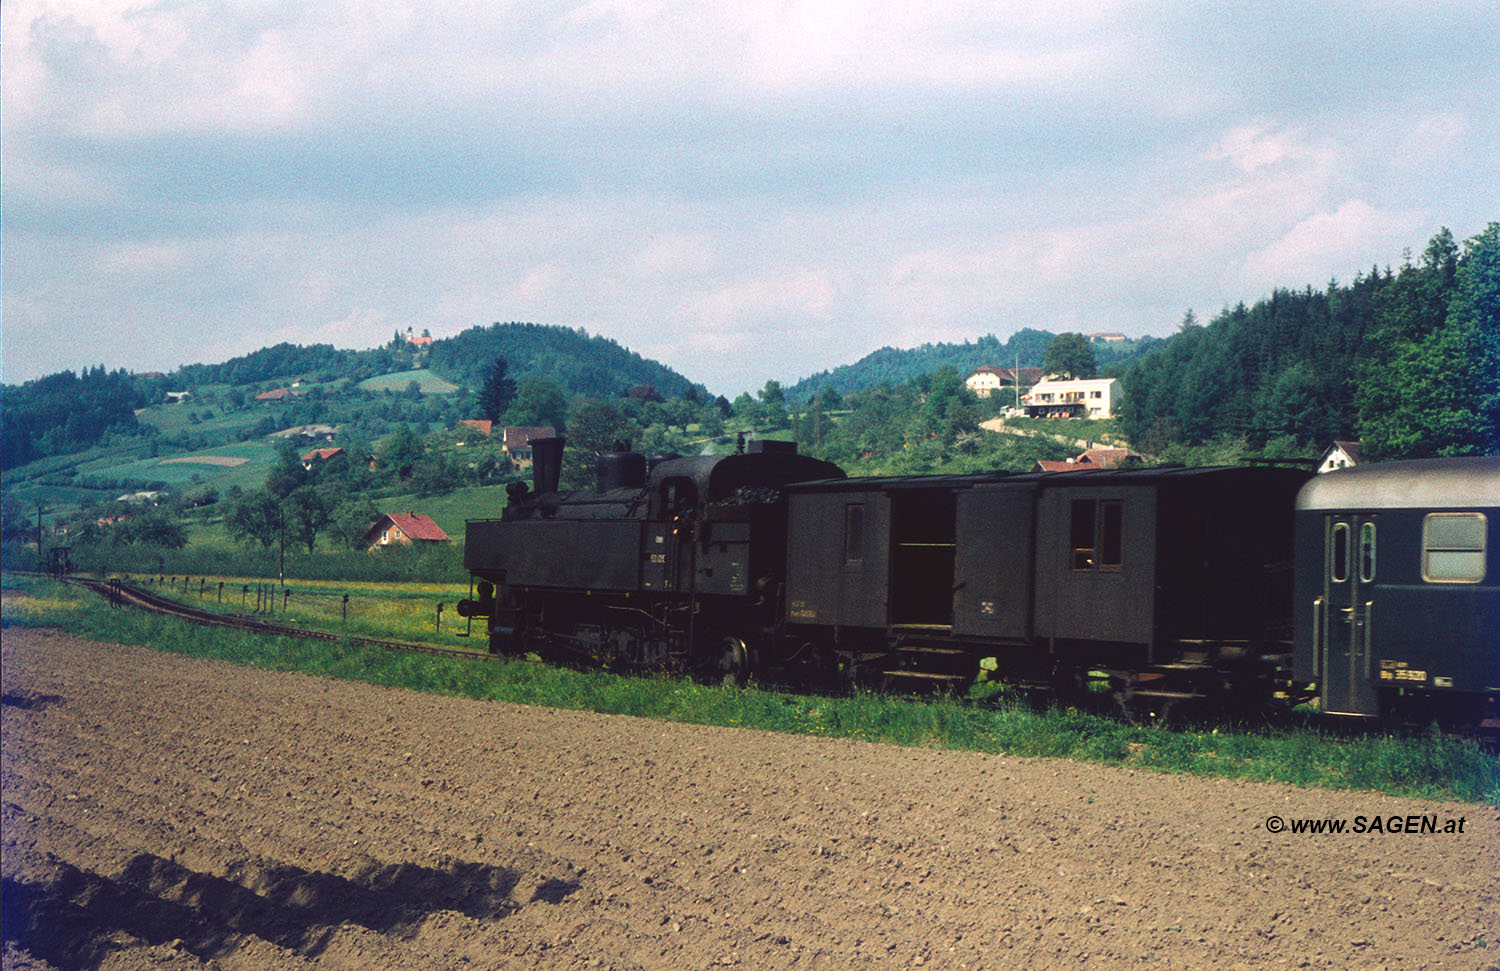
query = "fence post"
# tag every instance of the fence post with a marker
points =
(438, 626)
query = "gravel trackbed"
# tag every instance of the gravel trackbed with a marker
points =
(163, 812)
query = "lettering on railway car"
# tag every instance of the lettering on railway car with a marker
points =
(1401, 671)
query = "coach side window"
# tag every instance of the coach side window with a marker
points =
(1097, 534)
(1453, 547)
(1081, 532)
(1111, 535)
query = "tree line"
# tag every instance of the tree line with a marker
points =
(1406, 361)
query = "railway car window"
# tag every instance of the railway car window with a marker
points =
(1366, 552)
(1338, 553)
(1082, 535)
(854, 533)
(1453, 547)
(1111, 535)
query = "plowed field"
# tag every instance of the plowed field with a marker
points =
(161, 812)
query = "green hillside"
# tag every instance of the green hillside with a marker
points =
(427, 382)
(895, 366)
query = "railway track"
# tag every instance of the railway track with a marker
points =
(126, 594)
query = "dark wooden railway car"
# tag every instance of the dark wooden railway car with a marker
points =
(1155, 563)
(1398, 588)
(1183, 569)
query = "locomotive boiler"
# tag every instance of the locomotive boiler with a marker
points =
(672, 565)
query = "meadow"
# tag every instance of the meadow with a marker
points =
(1429, 766)
(427, 381)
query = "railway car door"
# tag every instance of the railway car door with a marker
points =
(1346, 615)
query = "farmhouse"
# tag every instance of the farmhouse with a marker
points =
(986, 379)
(402, 529)
(517, 443)
(1340, 455)
(478, 424)
(1096, 459)
(320, 455)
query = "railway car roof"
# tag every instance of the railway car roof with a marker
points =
(1455, 483)
(1094, 478)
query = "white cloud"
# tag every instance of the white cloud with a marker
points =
(742, 190)
(137, 260)
(1327, 243)
(1433, 138)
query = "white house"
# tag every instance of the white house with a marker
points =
(1074, 398)
(1340, 455)
(986, 380)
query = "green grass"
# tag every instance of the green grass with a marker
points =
(1427, 767)
(429, 382)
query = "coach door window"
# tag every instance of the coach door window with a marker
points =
(1453, 547)
(1338, 553)
(854, 533)
(1366, 552)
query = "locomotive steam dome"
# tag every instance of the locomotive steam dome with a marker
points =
(620, 470)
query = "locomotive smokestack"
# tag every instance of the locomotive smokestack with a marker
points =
(546, 464)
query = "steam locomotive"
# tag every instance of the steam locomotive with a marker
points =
(1234, 589)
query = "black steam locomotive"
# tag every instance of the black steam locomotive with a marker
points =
(1178, 586)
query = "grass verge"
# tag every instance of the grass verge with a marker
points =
(1429, 767)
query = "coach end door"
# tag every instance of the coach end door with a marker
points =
(1346, 615)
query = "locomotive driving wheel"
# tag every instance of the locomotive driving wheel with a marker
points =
(733, 666)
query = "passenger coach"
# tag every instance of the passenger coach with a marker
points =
(1398, 588)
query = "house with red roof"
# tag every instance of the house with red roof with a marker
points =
(1096, 459)
(480, 425)
(402, 529)
(320, 455)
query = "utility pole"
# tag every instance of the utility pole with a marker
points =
(1018, 380)
(281, 572)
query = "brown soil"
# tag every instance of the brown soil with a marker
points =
(166, 812)
(226, 461)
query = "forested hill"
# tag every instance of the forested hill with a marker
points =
(67, 413)
(578, 363)
(895, 366)
(1408, 362)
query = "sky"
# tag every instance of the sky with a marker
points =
(744, 191)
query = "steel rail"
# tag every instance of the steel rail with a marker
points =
(155, 603)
